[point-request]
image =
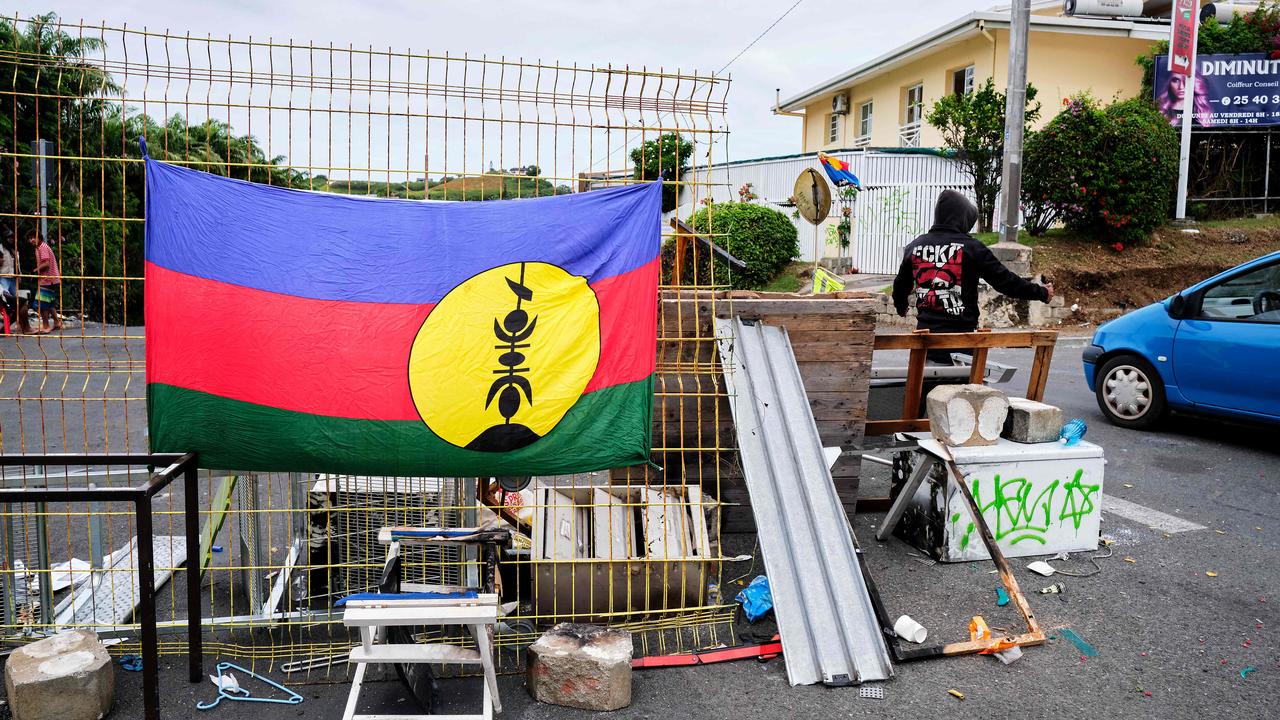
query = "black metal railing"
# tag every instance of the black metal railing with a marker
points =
(140, 496)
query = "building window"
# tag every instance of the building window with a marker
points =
(962, 81)
(833, 128)
(864, 121)
(914, 104)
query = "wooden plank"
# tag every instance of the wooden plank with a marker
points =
(979, 367)
(951, 341)
(609, 517)
(915, 385)
(218, 508)
(888, 427)
(1040, 366)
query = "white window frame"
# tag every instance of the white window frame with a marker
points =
(917, 106)
(833, 128)
(966, 77)
(865, 111)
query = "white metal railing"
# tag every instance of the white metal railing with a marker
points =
(862, 142)
(909, 135)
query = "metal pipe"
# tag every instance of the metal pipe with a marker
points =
(1015, 118)
(1266, 174)
(777, 104)
(44, 564)
(877, 459)
(191, 505)
(147, 609)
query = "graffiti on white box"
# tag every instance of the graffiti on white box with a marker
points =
(1022, 510)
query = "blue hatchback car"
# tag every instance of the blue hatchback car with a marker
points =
(1213, 348)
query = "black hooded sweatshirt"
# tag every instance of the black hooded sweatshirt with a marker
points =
(941, 269)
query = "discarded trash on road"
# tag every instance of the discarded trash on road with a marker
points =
(756, 599)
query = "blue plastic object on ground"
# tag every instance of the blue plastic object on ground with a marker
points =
(1072, 432)
(756, 598)
(1085, 648)
(132, 663)
(1002, 597)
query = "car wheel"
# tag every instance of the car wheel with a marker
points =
(1130, 392)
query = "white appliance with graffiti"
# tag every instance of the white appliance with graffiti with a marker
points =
(1039, 499)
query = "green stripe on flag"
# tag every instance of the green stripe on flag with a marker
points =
(607, 428)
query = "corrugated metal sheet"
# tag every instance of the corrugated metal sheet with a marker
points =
(828, 626)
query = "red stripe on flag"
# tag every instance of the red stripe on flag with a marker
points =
(331, 357)
(627, 348)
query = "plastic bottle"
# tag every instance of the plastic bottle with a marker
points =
(1072, 432)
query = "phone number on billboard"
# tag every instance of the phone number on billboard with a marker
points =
(1246, 99)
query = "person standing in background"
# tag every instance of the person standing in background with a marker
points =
(940, 271)
(46, 302)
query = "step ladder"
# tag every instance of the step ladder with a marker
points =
(403, 605)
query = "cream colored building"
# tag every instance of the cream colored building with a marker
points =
(882, 103)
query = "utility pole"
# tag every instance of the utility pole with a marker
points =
(1015, 110)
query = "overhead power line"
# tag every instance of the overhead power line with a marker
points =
(766, 32)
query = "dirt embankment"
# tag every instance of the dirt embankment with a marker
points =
(1106, 283)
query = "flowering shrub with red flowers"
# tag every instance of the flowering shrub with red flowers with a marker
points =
(1107, 171)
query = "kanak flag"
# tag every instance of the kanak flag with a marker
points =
(838, 171)
(298, 331)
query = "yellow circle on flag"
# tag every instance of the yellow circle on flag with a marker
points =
(504, 355)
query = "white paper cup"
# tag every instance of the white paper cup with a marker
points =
(910, 630)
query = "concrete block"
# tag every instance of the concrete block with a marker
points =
(1032, 422)
(65, 677)
(966, 415)
(581, 666)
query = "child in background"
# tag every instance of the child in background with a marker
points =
(50, 278)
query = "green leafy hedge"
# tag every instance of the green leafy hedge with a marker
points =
(1111, 171)
(761, 237)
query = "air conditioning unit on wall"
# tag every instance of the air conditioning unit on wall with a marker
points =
(840, 104)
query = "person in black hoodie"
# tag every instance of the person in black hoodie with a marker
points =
(941, 269)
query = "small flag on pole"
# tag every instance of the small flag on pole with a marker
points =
(838, 171)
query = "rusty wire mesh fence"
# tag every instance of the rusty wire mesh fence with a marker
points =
(635, 547)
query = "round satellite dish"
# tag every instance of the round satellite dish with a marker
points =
(812, 195)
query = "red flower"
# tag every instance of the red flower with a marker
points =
(1118, 247)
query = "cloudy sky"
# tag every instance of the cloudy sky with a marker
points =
(815, 41)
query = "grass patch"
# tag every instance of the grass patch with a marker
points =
(1249, 223)
(788, 281)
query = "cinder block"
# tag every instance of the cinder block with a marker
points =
(581, 666)
(1032, 422)
(966, 415)
(65, 677)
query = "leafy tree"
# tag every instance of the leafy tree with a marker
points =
(50, 92)
(972, 125)
(1108, 172)
(666, 157)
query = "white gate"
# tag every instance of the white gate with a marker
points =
(887, 217)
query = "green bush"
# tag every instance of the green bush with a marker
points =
(1111, 172)
(761, 237)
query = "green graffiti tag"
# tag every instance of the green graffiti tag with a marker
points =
(1019, 516)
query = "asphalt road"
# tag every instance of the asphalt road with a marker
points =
(1171, 641)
